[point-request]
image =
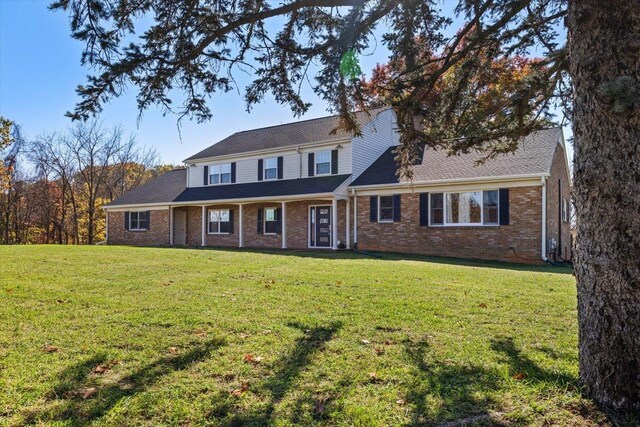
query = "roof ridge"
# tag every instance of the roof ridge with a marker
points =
(377, 109)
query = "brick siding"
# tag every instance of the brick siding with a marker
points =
(558, 173)
(517, 242)
(157, 235)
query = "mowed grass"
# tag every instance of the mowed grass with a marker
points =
(151, 336)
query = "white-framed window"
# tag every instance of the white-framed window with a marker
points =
(270, 221)
(323, 162)
(219, 221)
(385, 208)
(220, 173)
(464, 208)
(138, 221)
(270, 168)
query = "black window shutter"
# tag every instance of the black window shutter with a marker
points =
(504, 206)
(312, 165)
(279, 221)
(373, 208)
(260, 170)
(233, 172)
(396, 208)
(259, 220)
(280, 167)
(334, 162)
(206, 175)
(126, 221)
(424, 209)
(148, 220)
(230, 221)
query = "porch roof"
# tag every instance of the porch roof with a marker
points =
(276, 188)
(170, 188)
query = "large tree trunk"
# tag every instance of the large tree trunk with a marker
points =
(604, 43)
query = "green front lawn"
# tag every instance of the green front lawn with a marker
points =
(131, 336)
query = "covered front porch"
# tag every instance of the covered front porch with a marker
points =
(313, 222)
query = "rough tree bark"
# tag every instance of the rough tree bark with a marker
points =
(604, 43)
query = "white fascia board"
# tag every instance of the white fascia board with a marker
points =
(485, 183)
(159, 206)
(261, 153)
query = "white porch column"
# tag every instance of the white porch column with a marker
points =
(355, 221)
(204, 226)
(348, 224)
(284, 225)
(240, 228)
(170, 225)
(334, 224)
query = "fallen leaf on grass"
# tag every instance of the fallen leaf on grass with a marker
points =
(482, 305)
(320, 406)
(400, 401)
(243, 388)
(104, 367)
(519, 376)
(373, 377)
(379, 351)
(366, 342)
(89, 392)
(63, 301)
(50, 349)
(173, 350)
(200, 333)
(253, 359)
(243, 336)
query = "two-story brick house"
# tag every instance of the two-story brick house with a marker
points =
(300, 186)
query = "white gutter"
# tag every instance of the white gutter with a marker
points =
(268, 150)
(544, 218)
(293, 197)
(452, 180)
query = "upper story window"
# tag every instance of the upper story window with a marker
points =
(323, 162)
(271, 168)
(465, 208)
(220, 174)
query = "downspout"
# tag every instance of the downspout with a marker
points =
(544, 219)
(355, 219)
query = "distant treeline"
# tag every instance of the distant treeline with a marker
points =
(52, 189)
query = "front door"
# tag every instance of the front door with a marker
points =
(320, 227)
(180, 228)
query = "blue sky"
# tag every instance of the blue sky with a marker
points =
(40, 69)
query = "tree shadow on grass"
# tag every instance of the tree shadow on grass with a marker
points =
(285, 373)
(80, 397)
(456, 394)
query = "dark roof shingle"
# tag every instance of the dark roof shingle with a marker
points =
(161, 189)
(289, 134)
(533, 156)
(171, 188)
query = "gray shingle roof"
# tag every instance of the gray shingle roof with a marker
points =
(161, 189)
(533, 156)
(171, 188)
(302, 132)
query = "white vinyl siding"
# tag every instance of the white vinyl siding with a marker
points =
(344, 158)
(377, 136)
(247, 169)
